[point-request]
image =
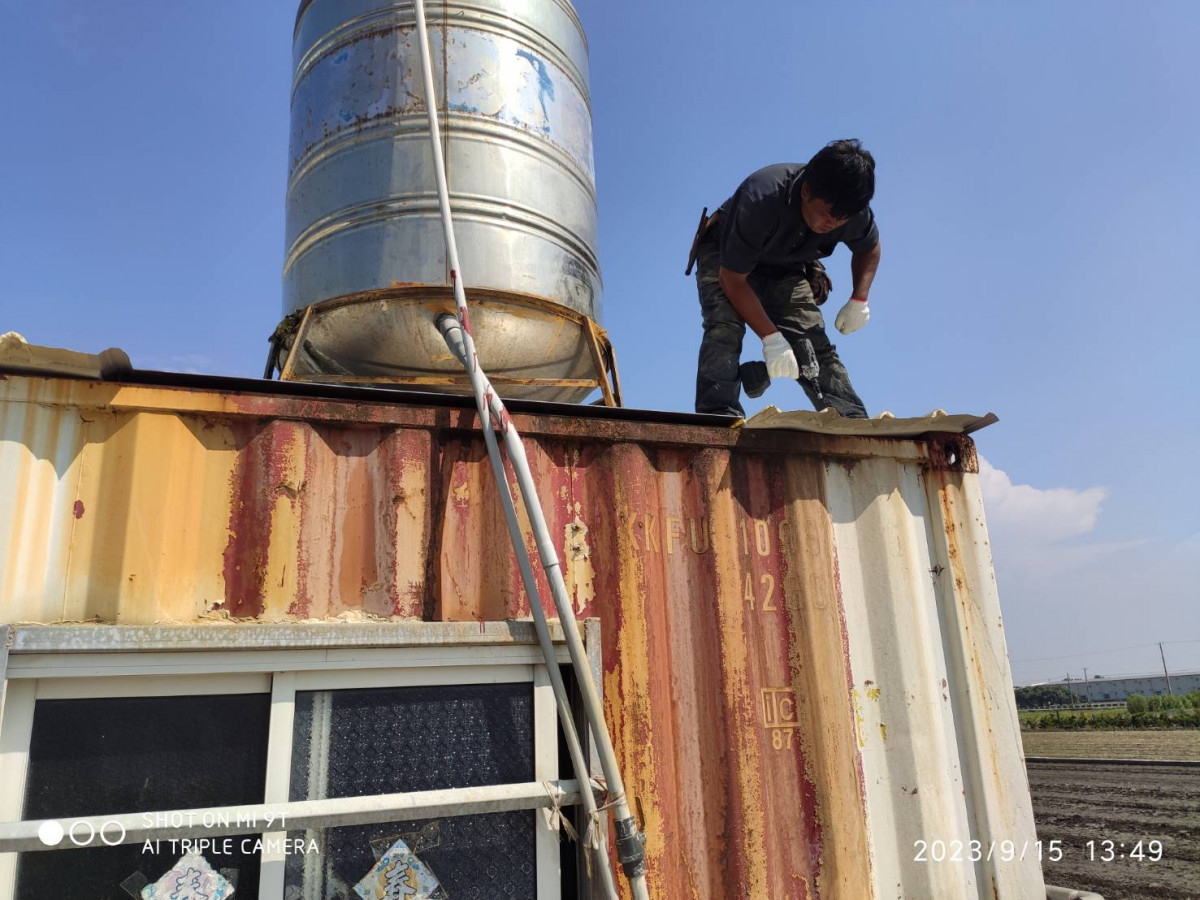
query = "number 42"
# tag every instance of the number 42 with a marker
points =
(768, 585)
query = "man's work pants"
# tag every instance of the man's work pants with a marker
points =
(788, 302)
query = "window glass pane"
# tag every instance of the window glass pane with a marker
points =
(398, 740)
(123, 755)
(489, 857)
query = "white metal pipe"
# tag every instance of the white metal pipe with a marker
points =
(626, 827)
(570, 733)
(439, 172)
(218, 821)
(482, 390)
(541, 626)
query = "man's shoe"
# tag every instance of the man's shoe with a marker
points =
(755, 379)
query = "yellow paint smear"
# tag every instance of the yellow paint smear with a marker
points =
(858, 718)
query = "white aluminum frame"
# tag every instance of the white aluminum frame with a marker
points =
(77, 671)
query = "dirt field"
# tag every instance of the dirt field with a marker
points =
(1123, 803)
(1180, 744)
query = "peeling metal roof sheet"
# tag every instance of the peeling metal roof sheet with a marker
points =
(885, 425)
(20, 357)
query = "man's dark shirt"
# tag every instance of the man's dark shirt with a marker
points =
(762, 228)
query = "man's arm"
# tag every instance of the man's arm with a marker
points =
(862, 268)
(854, 314)
(745, 301)
(777, 353)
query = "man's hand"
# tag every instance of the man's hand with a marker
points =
(853, 316)
(778, 355)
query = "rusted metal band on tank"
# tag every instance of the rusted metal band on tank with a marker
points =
(561, 4)
(443, 294)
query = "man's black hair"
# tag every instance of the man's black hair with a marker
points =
(843, 175)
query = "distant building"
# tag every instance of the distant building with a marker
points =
(1119, 688)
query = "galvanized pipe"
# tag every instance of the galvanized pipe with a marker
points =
(574, 746)
(541, 626)
(483, 394)
(297, 815)
(629, 840)
(443, 187)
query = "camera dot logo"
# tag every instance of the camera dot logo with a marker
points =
(50, 833)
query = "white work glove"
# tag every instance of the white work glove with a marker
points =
(778, 355)
(853, 316)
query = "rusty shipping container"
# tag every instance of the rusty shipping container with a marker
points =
(803, 664)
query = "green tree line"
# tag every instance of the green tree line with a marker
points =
(1139, 712)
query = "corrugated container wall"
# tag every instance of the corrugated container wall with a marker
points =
(804, 664)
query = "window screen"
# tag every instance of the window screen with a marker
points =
(96, 757)
(394, 740)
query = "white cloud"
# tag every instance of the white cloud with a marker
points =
(1064, 593)
(1034, 529)
(1038, 514)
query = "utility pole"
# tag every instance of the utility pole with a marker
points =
(1170, 693)
(1087, 688)
(1070, 689)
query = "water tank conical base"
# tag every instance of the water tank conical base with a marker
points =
(529, 347)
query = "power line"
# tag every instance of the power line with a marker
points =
(1085, 653)
(1114, 676)
(1099, 652)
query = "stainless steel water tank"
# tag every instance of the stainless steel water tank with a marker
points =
(364, 237)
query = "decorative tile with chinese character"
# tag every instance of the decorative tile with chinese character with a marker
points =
(399, 875)
(192, 878)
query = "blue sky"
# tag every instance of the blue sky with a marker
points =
(1037, 203)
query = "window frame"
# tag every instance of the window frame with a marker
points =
(96, 662)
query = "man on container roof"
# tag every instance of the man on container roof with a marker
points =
(759, 265)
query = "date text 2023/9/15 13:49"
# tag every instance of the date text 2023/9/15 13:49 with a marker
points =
(941, 851)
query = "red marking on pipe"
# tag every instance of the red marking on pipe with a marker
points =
(79, 509)
(498, 422)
